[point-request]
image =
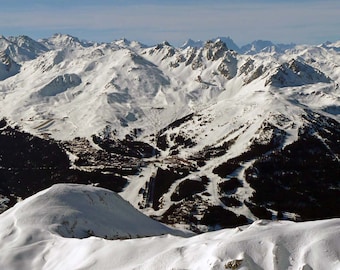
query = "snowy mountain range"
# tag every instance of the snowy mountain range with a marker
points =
(254, 47)
(201, 137)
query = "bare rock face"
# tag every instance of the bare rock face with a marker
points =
(215, 50)
(8, 67)
(251, 71)
(296, 73)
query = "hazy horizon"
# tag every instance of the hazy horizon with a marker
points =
(151, 22)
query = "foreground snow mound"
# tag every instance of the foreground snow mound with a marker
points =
(78, 211)
(28, 238)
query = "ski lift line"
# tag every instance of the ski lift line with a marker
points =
(44, 124)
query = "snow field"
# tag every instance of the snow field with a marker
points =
(47, 231)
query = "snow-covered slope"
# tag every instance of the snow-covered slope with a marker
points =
(80, 88)
(78, 211)
(21, 48)
(201, 136)
(84, 227)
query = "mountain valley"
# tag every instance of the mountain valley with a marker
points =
(201, 138)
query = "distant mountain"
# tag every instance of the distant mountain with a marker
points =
(229, 42)
(250, 49)
(192, 43)
(60, 41)
(264, 46)
(198, 44)
(21, 48)
(28, 46)
(201, 137)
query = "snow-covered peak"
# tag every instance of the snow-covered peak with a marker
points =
(192, 43)
(60, 41)
(125, 43)
(199, 43)
(331, 45)
(21, 48)
(265, 46)
(335, 44)
(295, 73)
(229, 42)
(28, 44)
(256, 46)
(215, 49)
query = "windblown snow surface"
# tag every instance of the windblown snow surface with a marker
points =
(85, 227)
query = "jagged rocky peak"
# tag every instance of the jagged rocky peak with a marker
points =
(200, 44)
(215, 50)
(165, 49)
(251, 70)
(162, 45)
(248, 66)
(218, 50)
(296, 73)
(5, 59)
(229, 42)
(4, 43)
(8, 67)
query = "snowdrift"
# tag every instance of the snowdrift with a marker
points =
(35, 234)
(80, 211)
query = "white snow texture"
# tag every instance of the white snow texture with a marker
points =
(71, 226)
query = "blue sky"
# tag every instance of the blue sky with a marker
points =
(305, 21)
